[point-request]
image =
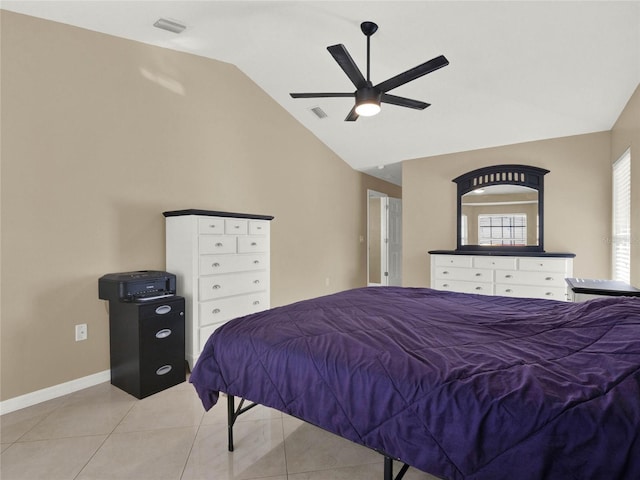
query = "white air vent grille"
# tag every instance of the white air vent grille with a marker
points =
(169, 25)
(319, 112)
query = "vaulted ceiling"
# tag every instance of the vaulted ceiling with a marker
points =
(519, 71)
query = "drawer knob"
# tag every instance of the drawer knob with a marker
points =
(445, 273)
(219, 244)
(445, 285)
(508, 276)
(478, 274)
(508, 290)
(256, 282)
(253, 244)
(215, 310)
(237, 226)
(478, 288)
(259, 227)
(163, 370)
(549, 278)
(549, 294)
(163, 309)
(256, 302)
(216, 264)
(216, 287)
(164, 333)
(256, 262)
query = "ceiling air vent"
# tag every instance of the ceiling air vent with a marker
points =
(169, 25)
(319, 112)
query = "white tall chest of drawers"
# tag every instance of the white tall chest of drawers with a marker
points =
(222, 265)
(541, 276)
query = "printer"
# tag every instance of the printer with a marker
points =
(138, 286)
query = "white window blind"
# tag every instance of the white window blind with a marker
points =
(622, 218)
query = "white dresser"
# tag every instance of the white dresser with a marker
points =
(221, 263)
(512, 276)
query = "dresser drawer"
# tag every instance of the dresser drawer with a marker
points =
(453, 260)
(494, 262)
(517, 277)
(224, 309)
(212, 264)
(464, 287)
(211, 225)
(236, 226)
(258, 227)
(468, 274)
(252, 244)
(217, 244)
(543, 264)
(530, 291)
(218, 286)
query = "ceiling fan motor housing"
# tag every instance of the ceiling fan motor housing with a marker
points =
(368, 94)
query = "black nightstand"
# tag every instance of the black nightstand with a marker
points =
(147, 345)
(586, 289)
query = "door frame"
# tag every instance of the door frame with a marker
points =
(382, 240)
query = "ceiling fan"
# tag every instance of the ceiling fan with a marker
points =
(368, 96)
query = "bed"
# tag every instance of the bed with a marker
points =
(458, 385)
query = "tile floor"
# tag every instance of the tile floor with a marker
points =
(102, 433)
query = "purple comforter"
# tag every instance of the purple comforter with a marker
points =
(461, 386)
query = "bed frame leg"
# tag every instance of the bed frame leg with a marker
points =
(388, 469)
(233, 414)
(231, 410)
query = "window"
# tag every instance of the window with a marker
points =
(503, 229)
(621, 238)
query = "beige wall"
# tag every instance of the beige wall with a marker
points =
(577, 201)
(626, 134)
(100, 135)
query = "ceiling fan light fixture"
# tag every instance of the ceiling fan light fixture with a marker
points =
(368, 109)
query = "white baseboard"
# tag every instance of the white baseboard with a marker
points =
(33, 398)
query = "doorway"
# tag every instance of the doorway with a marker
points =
(384, 239)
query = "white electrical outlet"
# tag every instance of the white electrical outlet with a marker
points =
(81, 332)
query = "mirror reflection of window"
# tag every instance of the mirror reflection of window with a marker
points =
(502, 229)
(509, 213)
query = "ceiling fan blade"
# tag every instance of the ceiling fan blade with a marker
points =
(340, 54)
(413, 73)
(353, 116)
(322, 95)
(403, 102)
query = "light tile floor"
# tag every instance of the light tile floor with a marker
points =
(102, 433)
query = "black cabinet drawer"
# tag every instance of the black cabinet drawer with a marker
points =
(157, 374)
(161, 334)
(161, 308)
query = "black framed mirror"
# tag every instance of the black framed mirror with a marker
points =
(501, 209)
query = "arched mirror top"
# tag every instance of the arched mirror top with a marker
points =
(500, 208)
(524, 175)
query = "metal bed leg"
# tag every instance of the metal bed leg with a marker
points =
(230, 419)
(233, 414)
(388, 469)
